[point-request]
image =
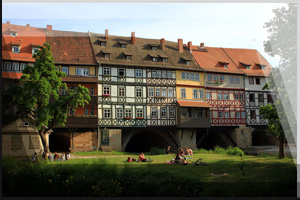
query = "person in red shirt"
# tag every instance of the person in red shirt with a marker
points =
(142, 157)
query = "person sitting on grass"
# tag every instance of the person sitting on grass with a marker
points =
(142, 157)
(168, 150)
(56, 156)
(63, 156)
(177, 159)
(50, 157)
(34, 158)
(181, 152)
(68, 156)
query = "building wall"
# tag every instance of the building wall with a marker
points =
(186, 140)
(254, 86)
(242, 136)
(84, 141)
(72, 70)
(226, 83)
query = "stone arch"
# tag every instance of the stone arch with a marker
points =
(260, 138)
(215, 138)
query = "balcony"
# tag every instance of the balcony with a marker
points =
(82, 122)
(194, 122)
(79, 79)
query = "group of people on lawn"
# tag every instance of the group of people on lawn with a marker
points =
(179, 159)
(48, 156)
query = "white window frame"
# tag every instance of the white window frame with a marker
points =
(107, 55)
(153, 113)
(65, 69)
(121, 91)
(237, 80)
(13, 33)
(18, 50)
(157, 92)
(226, 96)
(201, 94)
(106, 71)
(170, 92)
(169, 74)
(35, 50)
(22, 66)
(139, 113)
(187, 75)
(150, 92)
(241, 97)
(165, 60)
(138, 73)
(192, 76)
(208, 95)
(106, 90)
(183, 75)
(106, 113)
(164, 74)
(15, 66)
(236, 97)
(220, 96)
(197, 77)
(129, 57)
(231, 79)
(86, 111)
(153, 74)
(195, 94)
(119, 113)
(226, 114)
(163, 112)
(158, 75)
(138, 92)
(154, 59)
(63, 91)
(128, 112)
(221, 114)
(172, 112)
(182, 93)
(164, 92)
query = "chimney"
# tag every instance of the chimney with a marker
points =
(162, 43)
(180, 45)
(106, 34)
(202, 45)
(49, 28)
(28, 25)
(133, 37)
(7, 22)
(190, 46)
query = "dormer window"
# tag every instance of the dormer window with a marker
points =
(103, 43)
(13, 34)
(225, 66)
(165, 60)
(262, 66)
(129, 57)
(154, 59)
(107, 55)
(35, 50)
(123, 45)
(153, 47)
(16, 49)
(247, 67)
(188, 62)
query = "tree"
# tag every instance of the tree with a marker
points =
(38, 95)
(282, 42)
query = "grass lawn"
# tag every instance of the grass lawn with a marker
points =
(114, 176)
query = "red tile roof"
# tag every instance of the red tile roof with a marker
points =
(249, 57)
(26, 36)
(193, 104)
(213, 60)
(71, 48)
(11, 75)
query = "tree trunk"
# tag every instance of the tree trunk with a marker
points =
(44, 137)
(281, 153)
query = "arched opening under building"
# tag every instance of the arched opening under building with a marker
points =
(212, 139)
(261, 138)
(59, 141)
(145, 140)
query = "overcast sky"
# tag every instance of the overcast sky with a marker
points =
(231, 25)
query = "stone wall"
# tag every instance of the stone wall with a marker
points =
(242, 136)
(115, 139)
(84, 141)
(187, 140)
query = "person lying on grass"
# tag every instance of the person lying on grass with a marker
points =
(131, 159)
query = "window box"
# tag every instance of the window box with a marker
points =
(127, 117)
(106, 95)
(210, 82)
(139, 117)
(216, 82)
(222, 81)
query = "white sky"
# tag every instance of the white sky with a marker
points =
(231, 25)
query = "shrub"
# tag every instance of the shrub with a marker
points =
(156, 151)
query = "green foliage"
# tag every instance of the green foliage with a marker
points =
(156, 151)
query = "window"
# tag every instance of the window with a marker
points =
(222, 78)
(165, 60)
(225, 66)
(201, 94)
(154, 59)
(158, 74)
(153, 74)
(157, 92)
(63, 91)
(164, 92)
(195, 94)
(226, 97)
(121, 92)
(16, 49)
(15, 66)
(251, 80)
(82, 71)
(251, 97)
(128, 57)
(106, 90)
(270, 99)
(199, 113)
(242, 114)
(164, 74)
(188, 62)
(35, 50)
(221, 114)
(121, 72)
(187, 75)
(22, 66)
(182, 93)
(257, 80)
(169, 74)
(208, 95)
(139, 113)
(263, 67)
(92, 91)
(231, 79)
(103, 43)
(192, 76)
(119, 113)
(209, 77)
(107, 55)
(183, 75)
(106, 71)
(236, 97)
(106, 113)
(216, 78)
(241, 97)
(261, 98)
(197, 77)
(237, 114)
(138, 92)
(150, 92)
(153, 48)
(123, 46)
(65, 69)
(170, 92)
(86, 111)
(153, 112)
(172, 112)
(220, 96)
(226, 114)
(164, 112)
(252, 114)
(247, 67)
(13, 34)
(237, 80)
(128, 113)
(92, 111)
(138, 73)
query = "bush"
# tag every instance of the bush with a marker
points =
(234, 151)
(156, 151)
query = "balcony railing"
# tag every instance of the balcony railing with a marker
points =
(82, 122)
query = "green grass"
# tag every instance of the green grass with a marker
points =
(114, 176)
